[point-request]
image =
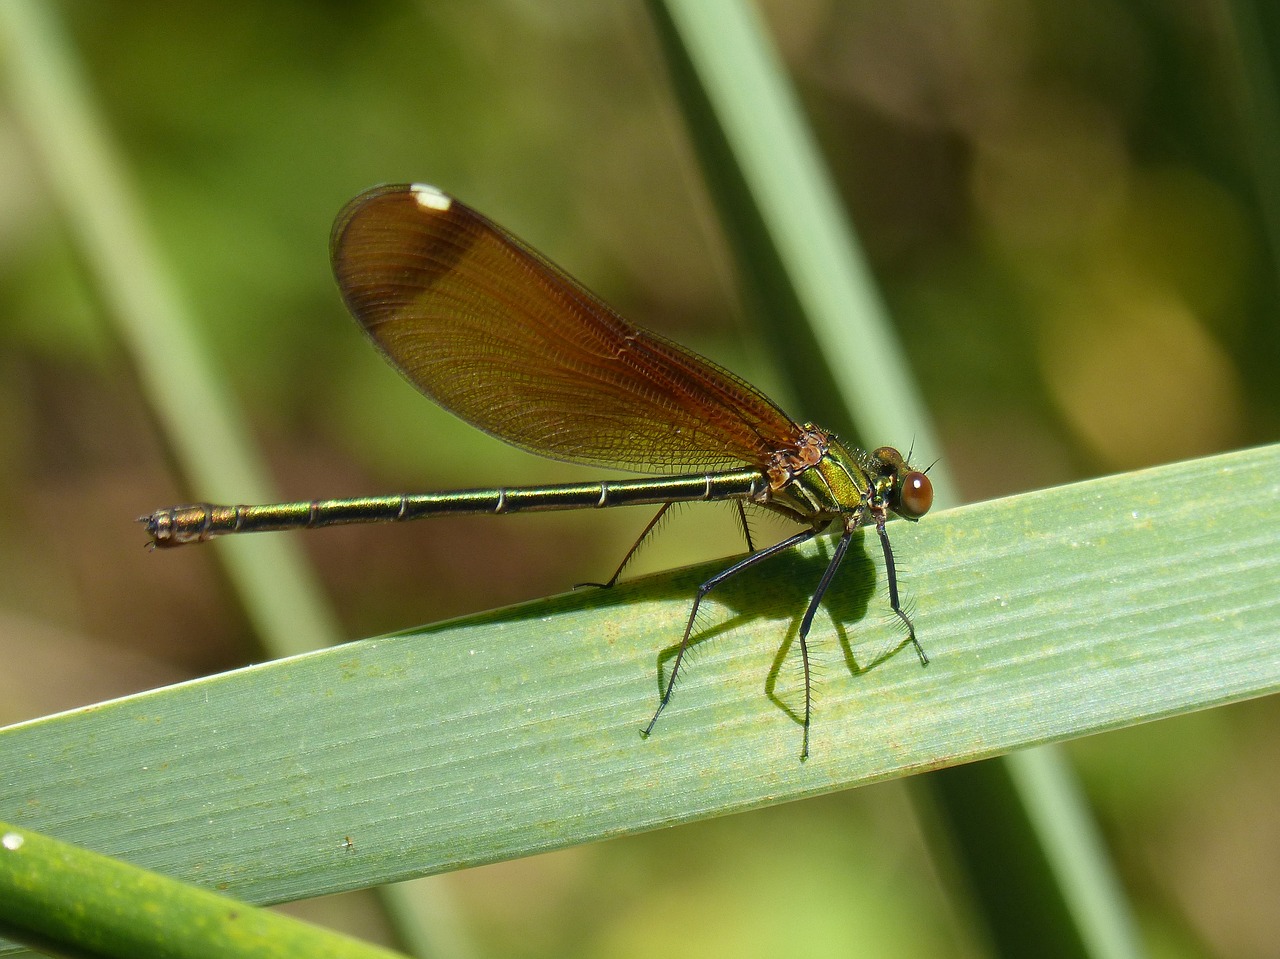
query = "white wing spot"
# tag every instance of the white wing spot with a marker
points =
(430, 198)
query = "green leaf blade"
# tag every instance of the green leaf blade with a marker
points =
(1049, 615)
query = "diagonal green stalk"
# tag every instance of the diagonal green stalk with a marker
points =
(109, 909)
(201, 422)
(799, 263)
(804, 273)
(157, 328)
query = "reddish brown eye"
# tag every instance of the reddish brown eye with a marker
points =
(915, 495)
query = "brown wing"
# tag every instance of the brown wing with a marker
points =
(503, 338)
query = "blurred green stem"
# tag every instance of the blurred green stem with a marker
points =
(201, 422)
(66, 900)
(815, 297)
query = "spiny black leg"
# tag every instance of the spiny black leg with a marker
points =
(892, 576)
(706, 588)
(632, 551)
(805, 623)
(746, 527)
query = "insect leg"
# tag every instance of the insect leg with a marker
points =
(706, 588)
(635, 548)
(892, 577)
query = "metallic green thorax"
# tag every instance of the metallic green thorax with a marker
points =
(843, 482)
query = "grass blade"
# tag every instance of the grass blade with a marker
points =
(109, 908)
(1048, 615)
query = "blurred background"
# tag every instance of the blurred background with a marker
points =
(1062, 208)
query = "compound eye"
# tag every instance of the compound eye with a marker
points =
(915, 495)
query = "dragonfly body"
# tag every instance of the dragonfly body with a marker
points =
(503, 338)
(180, 525)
